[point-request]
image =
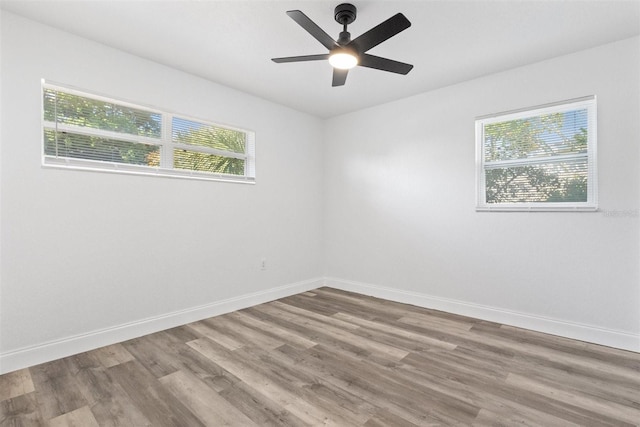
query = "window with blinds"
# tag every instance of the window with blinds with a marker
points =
(86, 131)
(543, 158)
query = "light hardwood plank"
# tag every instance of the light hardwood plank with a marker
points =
(212, 409)
(21, 410)
(214, 334)
(149, 397)
(118, 410)
(348, 335)
(247, 336)
(81, 417)
(285, 398)
(56, 390)
(395, 331)
(149, 352)
(613, 410)
(15, 384)
(282, 334)
(113, 355)
(260, 408)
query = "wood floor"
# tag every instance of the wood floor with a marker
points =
(330, 357)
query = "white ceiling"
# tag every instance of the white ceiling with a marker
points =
(231, 42)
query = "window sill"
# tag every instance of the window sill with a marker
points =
(537, 209)
(121, 168)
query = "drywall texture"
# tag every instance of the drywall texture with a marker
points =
(400, 198)
(83, 251)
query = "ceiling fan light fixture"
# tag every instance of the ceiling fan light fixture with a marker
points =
(343, 60)
(344, 53)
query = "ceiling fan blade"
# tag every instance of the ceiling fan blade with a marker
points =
(312, 28)
(384, 64)
(339, 77)
(301, 58)
(381, 32)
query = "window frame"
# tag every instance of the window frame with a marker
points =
(165, 142)
(591, 205)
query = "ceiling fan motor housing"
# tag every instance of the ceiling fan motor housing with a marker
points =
(345, 13)
(344, 38)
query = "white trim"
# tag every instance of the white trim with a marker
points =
(165, 142)
(250, 162)
(498, 164)
(590, 104)
(540, 109)
(56, 349)
(579, 331)
(97, 96)
(101, 133)
(129, 169)
(207, 150)
(557, 207)
(173, 114)
(63, 87)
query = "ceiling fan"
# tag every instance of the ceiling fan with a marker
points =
(345, 53)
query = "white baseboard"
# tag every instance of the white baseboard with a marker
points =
(46, 352)
(589, 333)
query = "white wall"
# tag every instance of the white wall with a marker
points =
(88, 258)
(87, 251)
(400, 197)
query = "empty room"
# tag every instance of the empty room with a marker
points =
(315, 213)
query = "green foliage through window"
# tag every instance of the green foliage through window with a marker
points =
(75, 146)
(193, 160)
(540, 158)
(551, 182)
(95, 129)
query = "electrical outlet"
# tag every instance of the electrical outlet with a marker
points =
(263, 264)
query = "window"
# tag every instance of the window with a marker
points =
(84, 131)
(543, 158)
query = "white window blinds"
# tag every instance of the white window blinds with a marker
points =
(86, 131)
(538, 159)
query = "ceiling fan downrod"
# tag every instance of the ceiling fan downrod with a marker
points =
(344, 14)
